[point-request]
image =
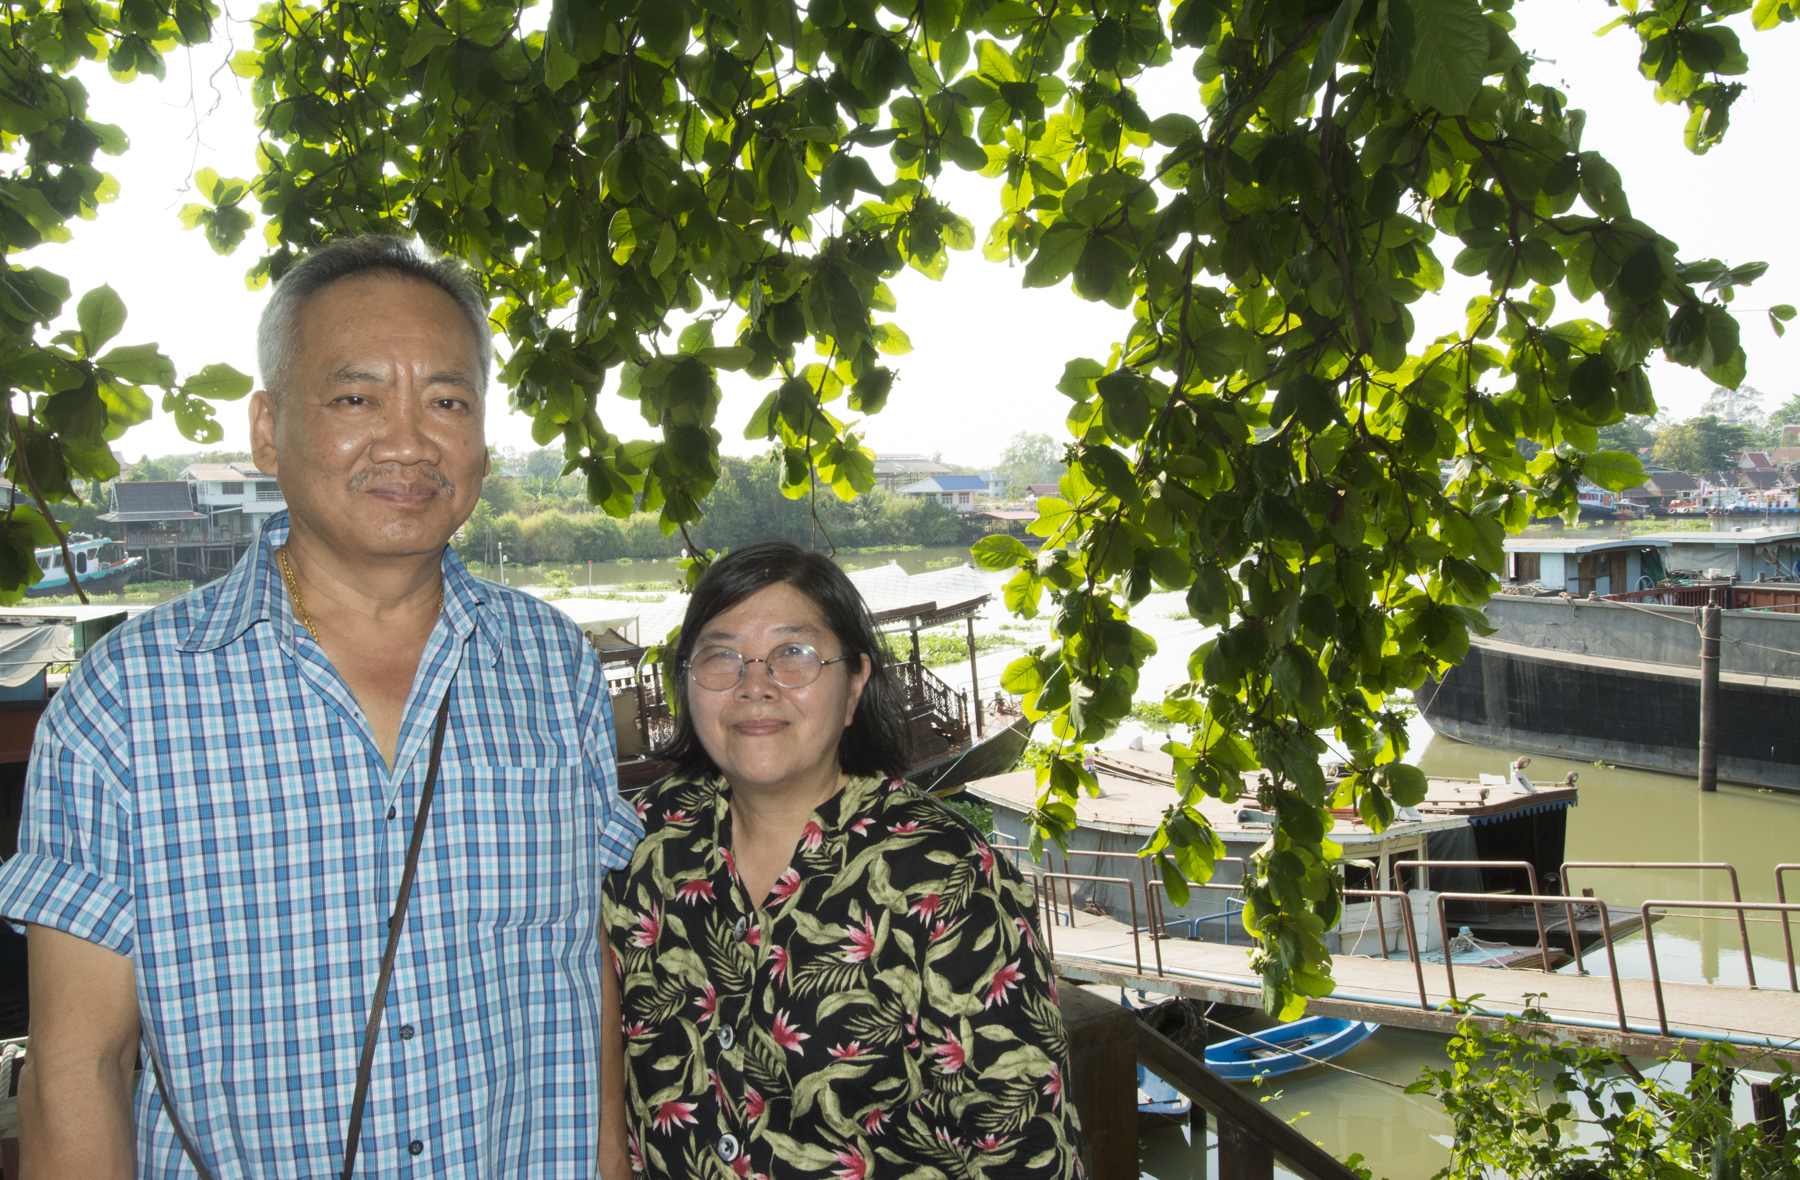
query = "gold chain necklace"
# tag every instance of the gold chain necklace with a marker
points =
(293, 586)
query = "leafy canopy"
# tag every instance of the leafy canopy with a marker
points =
(656, 190)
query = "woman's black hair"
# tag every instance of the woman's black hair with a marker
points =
(877, 741)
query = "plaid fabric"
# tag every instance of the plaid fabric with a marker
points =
(206, 798)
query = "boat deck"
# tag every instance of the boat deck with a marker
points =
(1098, 950)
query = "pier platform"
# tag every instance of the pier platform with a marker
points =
(1757, 1022)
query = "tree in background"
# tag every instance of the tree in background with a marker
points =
(1785, 414)
(1030, 458)
(658, 189)
(1704, 445)
(1632, 435)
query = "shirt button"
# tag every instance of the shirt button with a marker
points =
(738, 930)
(727, 1039)
(406, 1032)
(390, 813)
(728, 1148)
(415, 1147)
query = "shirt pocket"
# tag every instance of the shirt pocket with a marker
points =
(520, 838)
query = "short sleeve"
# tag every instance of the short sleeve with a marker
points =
(73, 870)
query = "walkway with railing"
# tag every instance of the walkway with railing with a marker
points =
(1646, 1017)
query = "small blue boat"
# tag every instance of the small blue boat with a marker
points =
(1286, 1048)
(1158, 1102)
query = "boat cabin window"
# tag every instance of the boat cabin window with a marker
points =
(1527, 567)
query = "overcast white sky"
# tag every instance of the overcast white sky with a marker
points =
(987, 353)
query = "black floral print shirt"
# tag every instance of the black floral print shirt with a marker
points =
(888, 1012)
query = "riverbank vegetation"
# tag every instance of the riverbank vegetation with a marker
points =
(1526, 1105)
(540, 519)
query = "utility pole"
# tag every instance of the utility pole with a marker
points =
(1709, 695)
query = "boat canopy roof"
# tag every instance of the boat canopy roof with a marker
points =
(1578, 545)
(1725, 537)
(897, 600)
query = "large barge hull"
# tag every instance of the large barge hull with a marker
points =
(1628, 712)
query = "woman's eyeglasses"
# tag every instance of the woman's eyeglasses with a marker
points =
(792, 665)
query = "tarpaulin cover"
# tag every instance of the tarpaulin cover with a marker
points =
(26, 649)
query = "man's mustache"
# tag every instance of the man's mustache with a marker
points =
(388, 470)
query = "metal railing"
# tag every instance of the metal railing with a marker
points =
(1787, 935)
(1662, 1019)
(1538, 902)
(1716, 865)
(1047, 881)
(1157, 920)
(1528, 868)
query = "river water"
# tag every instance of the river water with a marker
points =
(1623, 815)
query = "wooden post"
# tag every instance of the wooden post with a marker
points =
(1102, 1081)
(1243, 1156)
(1770, 1115)
(1709, 697)
(974, 678)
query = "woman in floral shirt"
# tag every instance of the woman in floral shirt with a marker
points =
(825, 972)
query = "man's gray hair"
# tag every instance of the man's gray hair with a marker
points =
(278, 332)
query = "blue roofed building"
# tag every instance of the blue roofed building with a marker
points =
(959, 493)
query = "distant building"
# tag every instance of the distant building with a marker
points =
(236, 497)
(1039, 490)
(1660, 489)
(960, 493)
(894, 472)
(160, 505)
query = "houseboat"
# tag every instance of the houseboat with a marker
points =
(1462, 826)
(1582, 565)
(1618, 680)
(100, 567)
(1744, 552)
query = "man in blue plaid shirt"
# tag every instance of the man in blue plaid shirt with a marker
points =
(220, 804)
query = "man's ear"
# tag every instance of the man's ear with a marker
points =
(262, 432)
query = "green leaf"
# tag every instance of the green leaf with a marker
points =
(1613, 470)
(217, 382)
(140, 364)
(1449, 54)
(101, 313)
(1056, 255)
(999, 552)
(1331, 43)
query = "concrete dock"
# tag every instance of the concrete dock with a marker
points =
(1758, 1022)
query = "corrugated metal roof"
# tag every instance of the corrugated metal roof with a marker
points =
(171, 499)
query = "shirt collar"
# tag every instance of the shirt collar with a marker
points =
(832, 818)
(253, 592)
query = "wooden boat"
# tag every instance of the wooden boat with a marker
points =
(1286, 1048)
(97, 567)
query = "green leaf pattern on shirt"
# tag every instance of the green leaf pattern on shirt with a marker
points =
(891, 1007)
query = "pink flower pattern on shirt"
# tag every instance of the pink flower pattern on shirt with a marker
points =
(773, 994)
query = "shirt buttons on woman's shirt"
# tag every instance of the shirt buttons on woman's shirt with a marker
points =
(406, 1032)
(740, 928)
(727, 1038)
(728, 1148)
(415, 1147)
